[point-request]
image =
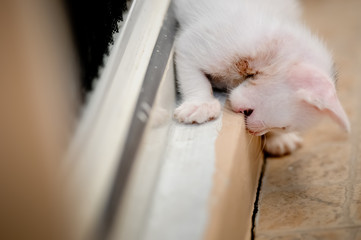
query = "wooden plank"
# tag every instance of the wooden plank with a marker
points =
(237, 168)
(179, 207)
(208, 182)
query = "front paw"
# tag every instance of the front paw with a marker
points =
(197, 112)
(279, 144)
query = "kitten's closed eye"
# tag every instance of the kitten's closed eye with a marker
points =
(250, 76)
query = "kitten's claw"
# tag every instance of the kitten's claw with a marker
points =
(279, 144)
(197, 112)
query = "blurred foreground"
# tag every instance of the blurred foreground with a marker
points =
(37, 104)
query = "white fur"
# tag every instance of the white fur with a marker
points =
(294, 83)
(278, 144)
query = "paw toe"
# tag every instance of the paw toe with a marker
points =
(283, 144)
(190, 112)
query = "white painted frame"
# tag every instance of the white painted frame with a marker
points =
(101, 133)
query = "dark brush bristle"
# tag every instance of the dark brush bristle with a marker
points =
(93, 24)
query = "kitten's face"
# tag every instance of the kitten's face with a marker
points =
(287, 100)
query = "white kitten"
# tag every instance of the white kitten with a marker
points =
(278, 74)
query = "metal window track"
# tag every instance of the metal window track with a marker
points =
(153, 76)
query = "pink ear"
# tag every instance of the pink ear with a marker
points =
(317, 89)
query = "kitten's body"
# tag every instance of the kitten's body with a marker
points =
(278, 74)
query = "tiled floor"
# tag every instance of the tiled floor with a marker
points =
(315, 193)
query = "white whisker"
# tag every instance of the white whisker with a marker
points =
(249, 143)
(263, 146)
(264, 142)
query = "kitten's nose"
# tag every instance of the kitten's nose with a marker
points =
(246, 112)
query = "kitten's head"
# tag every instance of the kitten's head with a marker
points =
(288, 99)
